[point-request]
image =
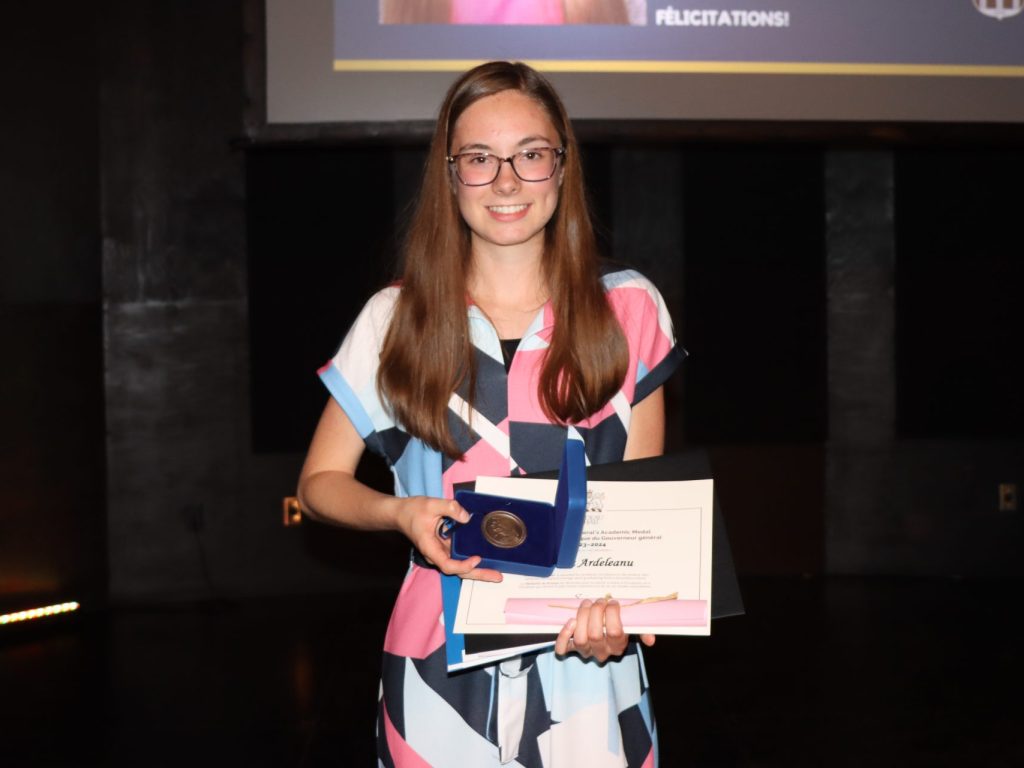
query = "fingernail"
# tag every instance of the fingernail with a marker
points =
(571, 625)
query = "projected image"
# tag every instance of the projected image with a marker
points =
(500, 12)
(385, 60)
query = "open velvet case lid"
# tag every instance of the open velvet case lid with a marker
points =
(530, 538)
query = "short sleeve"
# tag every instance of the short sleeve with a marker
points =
(653, 352)
(351, 375)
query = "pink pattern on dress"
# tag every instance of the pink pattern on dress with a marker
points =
(415, 630)
(507, 12)
(638, 315)
(523, 402)
(481, 459)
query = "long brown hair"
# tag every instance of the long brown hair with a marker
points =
(427, 352)
(439, 11)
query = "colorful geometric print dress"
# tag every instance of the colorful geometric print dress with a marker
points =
(538, 710)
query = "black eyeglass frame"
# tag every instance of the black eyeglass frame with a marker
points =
(559, 154)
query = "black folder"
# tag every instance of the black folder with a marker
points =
(726, 599)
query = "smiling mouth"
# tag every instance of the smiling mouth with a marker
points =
(506, 209)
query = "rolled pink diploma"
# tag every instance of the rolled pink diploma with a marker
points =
(635, 613)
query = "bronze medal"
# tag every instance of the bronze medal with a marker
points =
(503, 529)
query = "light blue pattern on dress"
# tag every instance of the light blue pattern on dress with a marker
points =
(641, 371)
(349, 401)
(434, 736)
(418, 471)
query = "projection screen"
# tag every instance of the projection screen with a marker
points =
(337, 61)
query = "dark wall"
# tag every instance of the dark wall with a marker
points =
(958, 282)
(318, 246)
(52, 537)
(922, 264)
(193, 510)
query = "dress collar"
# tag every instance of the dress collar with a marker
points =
(542, 321)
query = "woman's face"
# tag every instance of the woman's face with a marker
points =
(509, 211)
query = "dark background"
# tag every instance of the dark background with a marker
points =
(172, 278)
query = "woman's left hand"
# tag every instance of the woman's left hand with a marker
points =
(596, 632)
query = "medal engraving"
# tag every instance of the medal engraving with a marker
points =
(503, 529)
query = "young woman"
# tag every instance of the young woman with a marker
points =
(504, 338)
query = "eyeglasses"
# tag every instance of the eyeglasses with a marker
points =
(477, 169)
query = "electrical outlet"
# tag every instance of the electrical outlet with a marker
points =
(292, 512)
(1007, 497)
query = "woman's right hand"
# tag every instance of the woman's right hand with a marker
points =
(329, 491)
(420, 518)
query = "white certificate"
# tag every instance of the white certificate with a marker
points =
(646, 544)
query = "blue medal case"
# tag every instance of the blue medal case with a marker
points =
(552, 530)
